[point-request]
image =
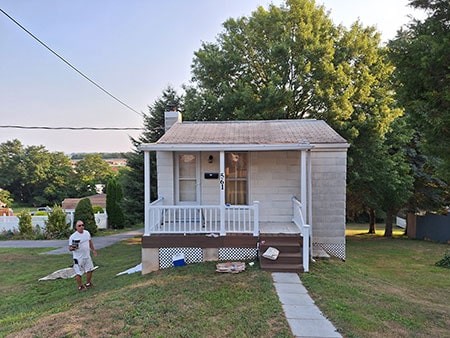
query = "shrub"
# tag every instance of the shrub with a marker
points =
(444, 262)
(97, 209)
(25, 226)
(40, 213)
(85, 213)
(56, 225)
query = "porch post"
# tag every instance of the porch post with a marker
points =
(303, 184)
(147, 190)
(309, 196)
(222, 193)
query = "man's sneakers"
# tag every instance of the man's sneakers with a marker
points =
(82, 288)
(88, 285)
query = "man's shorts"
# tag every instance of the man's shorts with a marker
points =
(83, 265)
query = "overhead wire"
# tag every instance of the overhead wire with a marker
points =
(69, 64)
(69, 128)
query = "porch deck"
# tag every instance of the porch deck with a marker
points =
(278, 228)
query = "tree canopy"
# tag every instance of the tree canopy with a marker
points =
(33, 175)
(293, 62)
(421, 53)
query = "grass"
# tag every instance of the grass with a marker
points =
(189, 301)
(385, 288)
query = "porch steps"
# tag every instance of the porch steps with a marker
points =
(290, 256)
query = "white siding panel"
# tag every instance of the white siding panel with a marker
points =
(164, 160)
(274, 179)
(210, 189)
(329, 170)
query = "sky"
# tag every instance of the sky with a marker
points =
(133, 49)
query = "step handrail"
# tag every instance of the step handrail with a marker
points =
(305, 230)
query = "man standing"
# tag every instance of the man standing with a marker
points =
(80, 244)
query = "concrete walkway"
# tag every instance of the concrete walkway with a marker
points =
(304, 317)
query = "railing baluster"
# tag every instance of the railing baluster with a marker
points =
(202, 219)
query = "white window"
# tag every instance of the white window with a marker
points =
(187, 177)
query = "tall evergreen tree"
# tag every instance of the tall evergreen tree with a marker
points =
(114, 196)
(133, 179)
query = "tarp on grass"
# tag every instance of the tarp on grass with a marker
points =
(63, 273)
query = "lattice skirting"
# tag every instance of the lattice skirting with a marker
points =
(191, 255)
(195, 255)
(226, 254)
(333, 249)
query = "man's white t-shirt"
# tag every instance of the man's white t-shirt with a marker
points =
(82, 239)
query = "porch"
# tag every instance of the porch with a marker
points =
(213, 232)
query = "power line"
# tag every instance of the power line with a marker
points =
(70, 128)
(69, 64)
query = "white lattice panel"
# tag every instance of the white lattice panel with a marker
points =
(191, 255)
(333, 249)
(226, 254)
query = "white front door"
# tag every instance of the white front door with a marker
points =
(187, 178)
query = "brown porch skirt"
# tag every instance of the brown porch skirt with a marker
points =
(199, 241)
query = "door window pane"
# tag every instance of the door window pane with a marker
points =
(187, 191)
(236, 178)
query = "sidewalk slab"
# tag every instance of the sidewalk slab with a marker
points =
(302, 312)
(304, 317)
(313, 328)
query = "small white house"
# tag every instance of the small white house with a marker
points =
(228, 190)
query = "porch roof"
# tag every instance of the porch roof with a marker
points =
(248, 135)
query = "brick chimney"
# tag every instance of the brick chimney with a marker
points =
(171, 117)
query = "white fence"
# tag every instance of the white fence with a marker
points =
(11, 223)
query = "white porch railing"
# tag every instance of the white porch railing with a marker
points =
(197, 219)
(305, 230)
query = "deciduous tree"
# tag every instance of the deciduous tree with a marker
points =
(293, 62)
(92, 170)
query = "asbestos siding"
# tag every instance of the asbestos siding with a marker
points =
(329, 170)
(210, 188)
(274, 179)
(166, 188)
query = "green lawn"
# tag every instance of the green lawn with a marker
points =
(385, 288)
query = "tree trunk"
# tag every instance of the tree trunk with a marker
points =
(389, 220)
(372, 227)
